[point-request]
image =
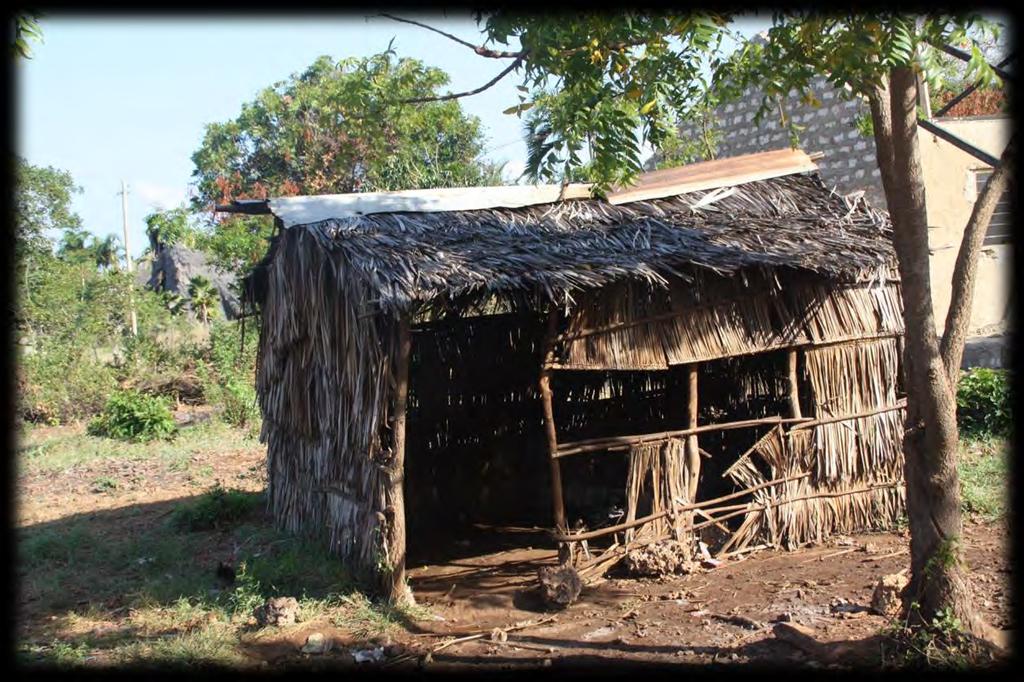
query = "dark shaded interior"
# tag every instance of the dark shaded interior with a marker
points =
(477, 470)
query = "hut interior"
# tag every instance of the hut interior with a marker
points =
(712, 356)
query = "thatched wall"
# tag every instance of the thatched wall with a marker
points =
(635, 326)
(324, 383)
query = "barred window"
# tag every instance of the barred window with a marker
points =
(1001, 228)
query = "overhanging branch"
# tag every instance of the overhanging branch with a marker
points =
(467, 93)
(479, 49)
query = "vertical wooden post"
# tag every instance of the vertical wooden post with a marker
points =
(397, 590)
(692, 450)
(794, 396)
(558, 502)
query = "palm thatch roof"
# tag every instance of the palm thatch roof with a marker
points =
(558, 248)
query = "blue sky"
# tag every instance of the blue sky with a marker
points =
(110, 99)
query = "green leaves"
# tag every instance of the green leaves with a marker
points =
(602, 85)
(984, 403)
(334, 129)
(26, 28)
(43, 198)
(519, 109)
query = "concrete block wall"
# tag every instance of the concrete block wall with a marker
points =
(849, 163)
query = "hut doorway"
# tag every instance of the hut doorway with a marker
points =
(476, 471)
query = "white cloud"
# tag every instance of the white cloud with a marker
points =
(155, 195)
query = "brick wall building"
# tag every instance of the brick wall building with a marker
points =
(849, 163)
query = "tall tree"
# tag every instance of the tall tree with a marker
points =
(42, 203)
(332, 129)
(106, 252)
(615, 82)
(173, 226)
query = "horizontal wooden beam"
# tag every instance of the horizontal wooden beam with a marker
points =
(900, 404)
(802, 344)
(593, 444)
(675, 509)
(661, 317)
(246, 206)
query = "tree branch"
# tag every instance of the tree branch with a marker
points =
(479, 49)
(959, 315)
(456, 95)
(881, 121)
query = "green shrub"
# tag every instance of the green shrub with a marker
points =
(133, 416)
(984, 477)
(239, 400)
(215, 509)
(228, 375)
(57, 383)
(983, 402)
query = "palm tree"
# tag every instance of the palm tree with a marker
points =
(203, 297)
(106, 251)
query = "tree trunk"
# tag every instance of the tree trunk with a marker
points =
(938, 580)
(395, 587)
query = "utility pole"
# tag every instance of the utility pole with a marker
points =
(128, 258)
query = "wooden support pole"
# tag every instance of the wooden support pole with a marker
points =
(397, 590)
(557, 500)
(794, 396)
(692, 451)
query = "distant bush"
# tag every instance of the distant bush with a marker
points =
(983, 402)
(133, 416)
(227, 378)
(215, 509)
(77, 348)
(56, 384)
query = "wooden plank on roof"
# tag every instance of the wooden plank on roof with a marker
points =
(312, 209)
(727, 172)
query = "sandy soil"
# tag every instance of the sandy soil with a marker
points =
(685, 620)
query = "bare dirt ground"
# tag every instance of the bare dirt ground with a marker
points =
(723, 615)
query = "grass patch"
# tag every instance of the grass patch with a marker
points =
(984, 476)
(370, 620)
(215, 509)
(47, 449)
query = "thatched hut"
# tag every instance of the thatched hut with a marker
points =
(715, 348)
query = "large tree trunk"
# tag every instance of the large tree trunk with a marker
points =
(938, 579)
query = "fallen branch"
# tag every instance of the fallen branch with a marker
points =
(470, 638)
(737, 619)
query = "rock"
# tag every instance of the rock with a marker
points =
(559, 585)
(375, 655)
(316, 643)
(659, 559)
(885, 600)
(276, 611)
